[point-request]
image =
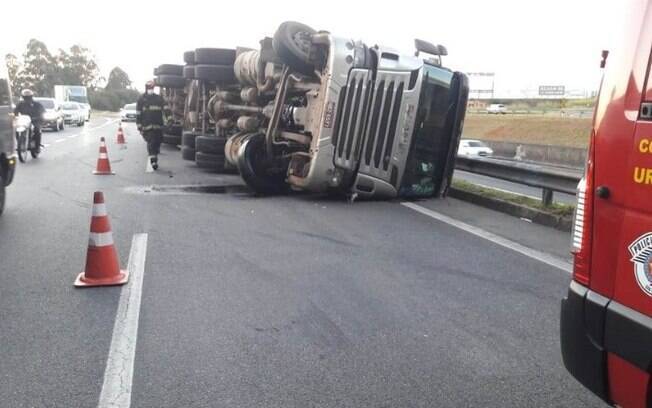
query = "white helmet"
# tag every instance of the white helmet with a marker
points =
(27, 93)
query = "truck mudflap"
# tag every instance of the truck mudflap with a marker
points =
(592, 326)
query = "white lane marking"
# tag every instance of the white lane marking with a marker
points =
(108, 122)
(548, 259)
(148, 167)
(59, 140)
(73, 136)
(46, 144)
(118, 375)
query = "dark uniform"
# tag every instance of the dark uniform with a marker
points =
(35, 111)
(150, 118)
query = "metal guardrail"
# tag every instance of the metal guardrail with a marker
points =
(549, 179)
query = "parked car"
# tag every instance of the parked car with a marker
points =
(497, 108)
(606, 318)
(7, 139)
(128, 113)
(53, 117)
(73, 114)
(470, 147)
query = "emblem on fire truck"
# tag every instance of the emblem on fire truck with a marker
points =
(641, 251)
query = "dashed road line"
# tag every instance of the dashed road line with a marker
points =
(497, 239)
(118, 374)
(59, 140)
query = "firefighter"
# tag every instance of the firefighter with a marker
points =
(28, 106)
(150, 119)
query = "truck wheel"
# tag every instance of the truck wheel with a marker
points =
(170, 81)
(173, 140)
(3, 194)
(292, 44)
(210, 144)
(256, 171)
(189, 72)
(188, 153)
(213, 162)
(189, 57)
(188, 139)
(170, 69)
(215, 73)
(215, 56)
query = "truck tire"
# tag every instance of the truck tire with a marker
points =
(170, 81)
(292, 44)
(172, 140)
(170, 69)
(3, 193)
(213, 162)
(174, 130)
(189, 57)
(210, 144)
(214, 56)
(254, 170)
(188, 153)
(215, 73)
(188, 139)
(189, 72)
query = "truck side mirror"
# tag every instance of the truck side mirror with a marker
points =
(429, 48)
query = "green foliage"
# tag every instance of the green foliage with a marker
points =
(40, 70)
(118, 79)
(111, 99)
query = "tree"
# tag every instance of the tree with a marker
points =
(77, 67)
(13, 68)
(118, 80)
(39, 69)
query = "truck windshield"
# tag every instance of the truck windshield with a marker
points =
(434, 131)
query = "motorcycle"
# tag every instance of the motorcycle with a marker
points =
(25, 138)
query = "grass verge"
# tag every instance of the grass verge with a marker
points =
(557, 209)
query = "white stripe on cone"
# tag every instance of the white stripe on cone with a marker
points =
(99, 210)
(103, 156)
(100, 239)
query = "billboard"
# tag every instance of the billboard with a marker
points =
(552, 90)
(481, 84)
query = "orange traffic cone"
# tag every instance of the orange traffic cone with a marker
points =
(103, 165)
(102, 264)
(121, 136)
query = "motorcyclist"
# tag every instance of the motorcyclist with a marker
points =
(150, 119)
(28, 106)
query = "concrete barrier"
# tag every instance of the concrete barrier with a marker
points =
(565, 156)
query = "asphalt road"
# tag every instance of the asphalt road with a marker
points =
(295, 301)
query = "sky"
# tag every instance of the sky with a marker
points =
(525, 43)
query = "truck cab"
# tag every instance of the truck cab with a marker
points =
(606, 318)
(7, 139)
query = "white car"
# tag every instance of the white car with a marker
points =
(128, 112)
(87, 110)
(469, 147)
(497, 108)
(73, 114)
(53, 116)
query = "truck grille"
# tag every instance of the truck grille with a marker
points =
(351, 118)
(367, 120)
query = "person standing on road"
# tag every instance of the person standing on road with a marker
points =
(150, 119)
(28, 106)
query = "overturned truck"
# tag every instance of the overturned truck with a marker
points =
(321, 113)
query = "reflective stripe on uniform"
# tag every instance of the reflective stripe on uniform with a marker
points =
(151, 127)
(154, 108)
(100, 239)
